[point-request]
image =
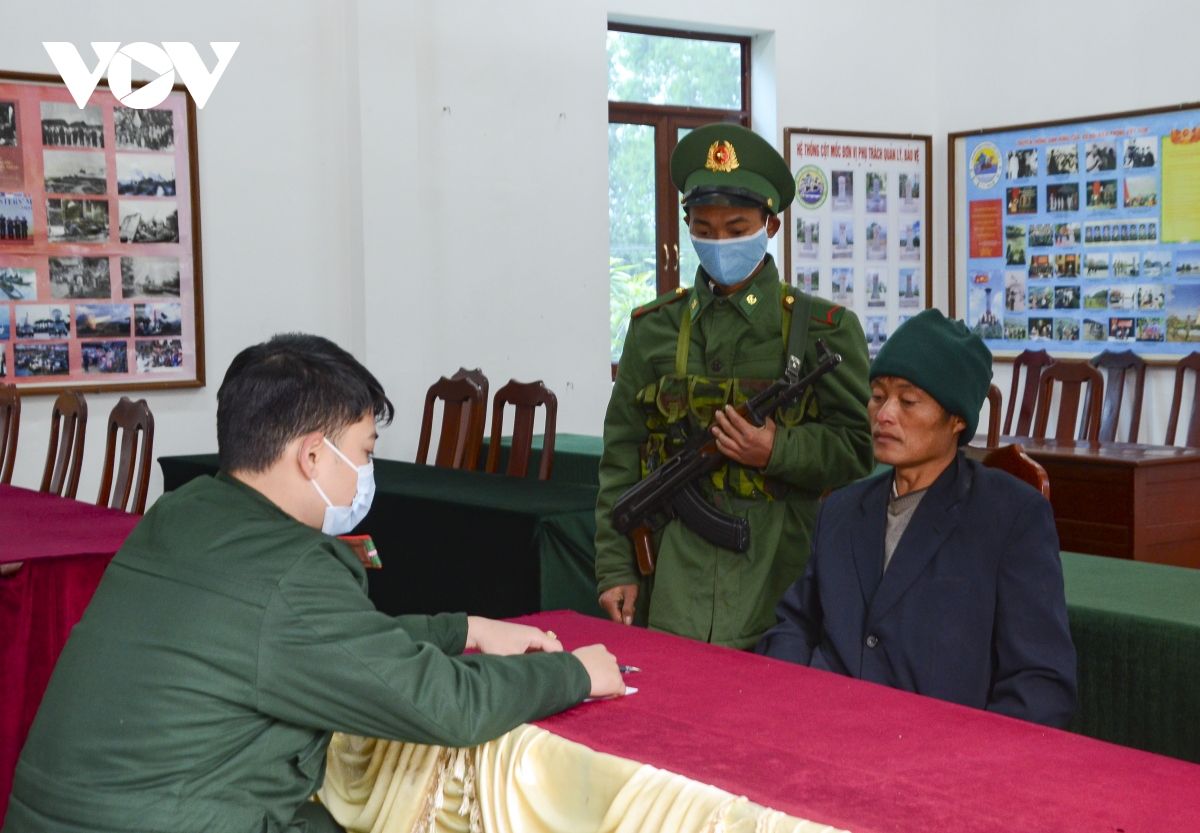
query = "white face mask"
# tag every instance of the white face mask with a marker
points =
(341, 519)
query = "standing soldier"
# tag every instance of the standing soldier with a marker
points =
(689, 357)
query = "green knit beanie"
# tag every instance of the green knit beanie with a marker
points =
(944, 359)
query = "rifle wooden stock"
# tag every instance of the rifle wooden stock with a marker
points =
(643, 545)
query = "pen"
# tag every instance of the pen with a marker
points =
(627, 669)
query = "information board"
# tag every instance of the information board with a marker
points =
(858, 230)
(1080, 236)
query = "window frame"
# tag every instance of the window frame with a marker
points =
(667, 120)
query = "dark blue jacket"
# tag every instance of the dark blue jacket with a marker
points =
(971, 609)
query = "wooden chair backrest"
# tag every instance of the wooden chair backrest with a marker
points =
(10, 426)
(526, 396)
(1192, 437)
(994, 402)
(1073, 375)
(64, 457)
(1014, 460)
(1034, 361)
(462, 432)
(478, 415)
(1118, 364)
(131, 418)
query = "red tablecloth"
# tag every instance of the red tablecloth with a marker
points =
(858, 755)
(65, 545)
(36, 525)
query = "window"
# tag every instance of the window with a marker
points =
(661, 84)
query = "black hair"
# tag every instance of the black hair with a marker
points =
(285, 388)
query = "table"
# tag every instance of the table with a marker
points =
(66, 545)
(488, 544)
(862, 756)
(1122, 499)
(1136, 629)
(576, 457)
(844, 752)
(1136, 626)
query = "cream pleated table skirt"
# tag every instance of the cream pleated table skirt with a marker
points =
(528, 781)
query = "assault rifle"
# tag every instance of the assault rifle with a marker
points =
(671, 490)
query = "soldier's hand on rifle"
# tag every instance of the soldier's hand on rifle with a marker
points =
(618, 601)
(741, 441)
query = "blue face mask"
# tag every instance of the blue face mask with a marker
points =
(731, 261)
(339, 520)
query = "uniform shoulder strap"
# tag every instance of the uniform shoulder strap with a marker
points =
(677, 294)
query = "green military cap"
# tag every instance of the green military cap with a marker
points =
(726, 164)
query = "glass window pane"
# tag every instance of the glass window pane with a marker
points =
(688, 261)
(631, 225)
(652, 69)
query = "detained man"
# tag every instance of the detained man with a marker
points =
(232, 633)
(940, 577)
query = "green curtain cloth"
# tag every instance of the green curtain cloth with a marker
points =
(503, 546)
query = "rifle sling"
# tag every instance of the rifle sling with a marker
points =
(797, 337)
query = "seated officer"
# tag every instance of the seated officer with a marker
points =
(941, 577)
(232, 633)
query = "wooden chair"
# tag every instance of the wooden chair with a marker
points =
(131, 418)
(1014, 460)
(1034, 361)
(1118, 365)
(10, 426)
(462, 432)
(65, 455)
(1192, 438)
(994, 402)
(526, 397)
(478, 415)
(1073, 375)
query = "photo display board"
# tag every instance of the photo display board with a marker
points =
(100, 284)
(1080, 236)
(858, 230)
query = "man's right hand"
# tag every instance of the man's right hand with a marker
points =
(619, 601)
(602, 669)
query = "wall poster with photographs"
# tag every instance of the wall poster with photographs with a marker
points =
(100, 284)
(1080, 236)
(858, 231)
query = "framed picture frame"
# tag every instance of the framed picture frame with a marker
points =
(1079, 235)
(101, 284)
(858, 232)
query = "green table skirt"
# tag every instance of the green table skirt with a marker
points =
(1136, 629)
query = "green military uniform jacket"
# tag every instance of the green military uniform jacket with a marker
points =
(224, 644)
(699, 590)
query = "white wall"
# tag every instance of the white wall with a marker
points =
(485, 179)
(282, 249)
(1037, 60)
(426, 182)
